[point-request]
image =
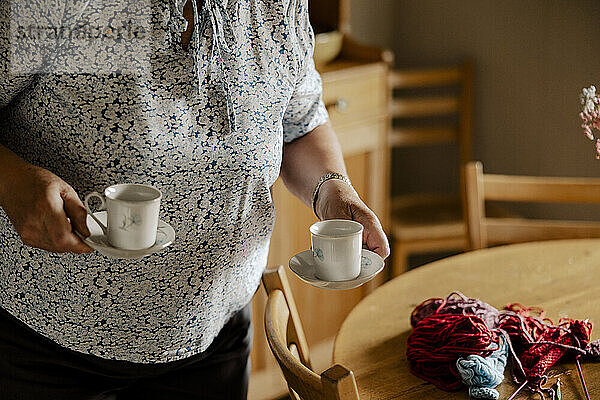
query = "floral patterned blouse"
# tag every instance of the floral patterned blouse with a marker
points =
(205, 125)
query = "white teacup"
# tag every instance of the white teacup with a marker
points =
(337, 248)
(132, 214)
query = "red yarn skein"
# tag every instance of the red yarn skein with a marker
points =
(437, 341)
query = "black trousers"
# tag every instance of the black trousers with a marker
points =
(32, 367)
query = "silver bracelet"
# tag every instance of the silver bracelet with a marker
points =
(325, 178)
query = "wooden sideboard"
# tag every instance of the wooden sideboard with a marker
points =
(356, 95)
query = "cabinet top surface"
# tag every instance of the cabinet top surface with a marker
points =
(344, 66)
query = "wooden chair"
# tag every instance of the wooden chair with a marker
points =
(288, 344)
(426, 222)
(484, 230)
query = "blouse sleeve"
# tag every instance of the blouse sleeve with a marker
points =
(306, 109)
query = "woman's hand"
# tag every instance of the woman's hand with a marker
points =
(337, 200)
(305, 161)
(43, 208)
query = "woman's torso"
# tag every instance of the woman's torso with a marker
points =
(168, 126)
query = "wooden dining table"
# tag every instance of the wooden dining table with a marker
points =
(562, 277)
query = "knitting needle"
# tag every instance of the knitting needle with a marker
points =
(518, 390)
(585, 389)
(557, 394)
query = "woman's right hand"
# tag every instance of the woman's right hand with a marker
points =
(44, 209)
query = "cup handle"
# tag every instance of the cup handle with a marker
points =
(91, 213)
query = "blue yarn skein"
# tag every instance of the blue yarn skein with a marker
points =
(483, 374)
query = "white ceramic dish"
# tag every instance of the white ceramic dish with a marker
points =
(327, 47)
(165, 236)
(302, 264)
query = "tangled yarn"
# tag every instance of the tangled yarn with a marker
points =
(523, 327)
(539, 342)
(483, 374)
(455, 303)
(552, 346)
(438, 340)
(456, 340)
(593, 349)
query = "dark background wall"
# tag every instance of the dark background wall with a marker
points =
(532, 58)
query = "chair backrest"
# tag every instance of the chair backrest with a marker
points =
(421, 103)
(483, 231)
(288, 344)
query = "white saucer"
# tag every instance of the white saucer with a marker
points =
(302, 265)
(165, 235)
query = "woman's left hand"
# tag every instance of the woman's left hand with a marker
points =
(337, 200)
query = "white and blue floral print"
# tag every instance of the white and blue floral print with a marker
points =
(205, 125)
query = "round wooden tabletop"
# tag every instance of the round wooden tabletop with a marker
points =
(562, 277)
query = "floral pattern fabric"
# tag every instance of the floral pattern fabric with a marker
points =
(205, 125)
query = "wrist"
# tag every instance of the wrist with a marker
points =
(330, 185)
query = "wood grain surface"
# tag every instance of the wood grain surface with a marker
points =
(563, 277)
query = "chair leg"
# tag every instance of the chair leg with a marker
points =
(399, 258)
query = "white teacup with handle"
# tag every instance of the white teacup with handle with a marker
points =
(132, 214)
(337, 249)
